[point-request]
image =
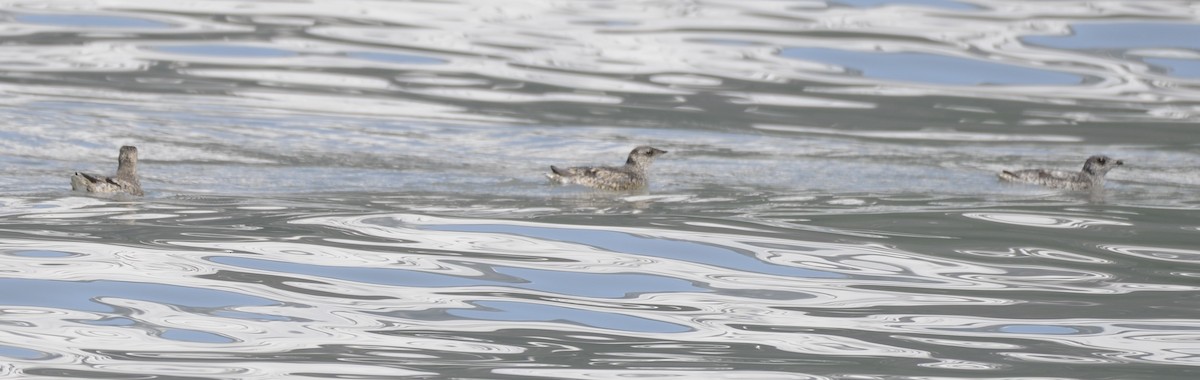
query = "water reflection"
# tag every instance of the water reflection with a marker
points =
(525, 312)
(621, 242)
(22, 353)
(235, 51)
(1123, 35)
(1044, 221)
(89, 21)
(611, 285)
(948, 4)
(354, 189)
(1156, 253)
(88, 296)
(285, 280)
(396, 58)
(930, 68)
(1186, 68)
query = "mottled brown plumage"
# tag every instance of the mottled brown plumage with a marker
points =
(1091, 177)
(126, 180)
(632, 175)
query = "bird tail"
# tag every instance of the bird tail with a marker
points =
(556, 175)
(79, 182)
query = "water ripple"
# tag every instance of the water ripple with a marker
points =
(354, 189)
(1182, 256)
(1044, 221)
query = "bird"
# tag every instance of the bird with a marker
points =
(632, 175)
(1091, 177)
(126, 180)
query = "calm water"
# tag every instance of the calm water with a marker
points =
(353, 189)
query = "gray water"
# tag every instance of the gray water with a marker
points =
(354, 189)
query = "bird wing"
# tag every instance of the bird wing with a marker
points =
(119, 182)
(593, 172)
(92, 177)
(1027, 175)
(126, 185)
(604, 177)
(579, 171)
(1038, 174)
(610, 174)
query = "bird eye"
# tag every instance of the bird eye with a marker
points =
(1102, 161)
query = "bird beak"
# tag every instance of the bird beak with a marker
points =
(659, 151)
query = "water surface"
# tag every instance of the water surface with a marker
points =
(355, 189)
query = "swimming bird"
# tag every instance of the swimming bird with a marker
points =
(126, 180)
(1091, 177)
(630, 176)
